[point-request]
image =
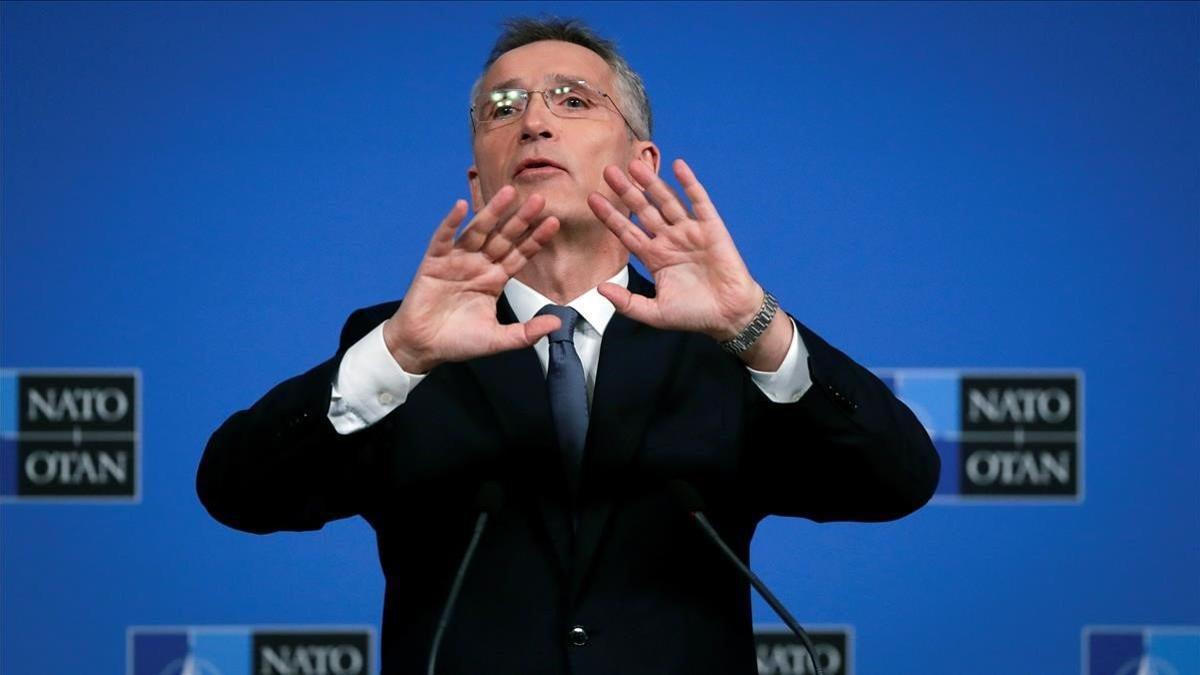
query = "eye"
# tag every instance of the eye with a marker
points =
(504, 103)
(502, 110)
(579, 102)
(572, 97)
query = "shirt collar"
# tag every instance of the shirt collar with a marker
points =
(593, 307)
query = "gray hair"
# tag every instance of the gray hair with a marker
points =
(521, 31)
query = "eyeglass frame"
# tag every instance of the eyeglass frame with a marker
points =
(546, 100)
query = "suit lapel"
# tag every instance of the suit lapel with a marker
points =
(513, 383)
(634, 361)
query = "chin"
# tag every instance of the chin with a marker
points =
(566, 216)
(564, 202)
(555, 191)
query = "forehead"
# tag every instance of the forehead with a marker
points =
(532, 64)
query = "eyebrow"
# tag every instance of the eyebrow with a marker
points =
(517, 83)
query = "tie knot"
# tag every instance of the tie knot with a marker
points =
(569, 318)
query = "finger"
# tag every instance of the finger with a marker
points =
(518, 335)
(443, 237)
(702, 206)
(477, 231)
(539, 327)
(503, 239)
(631, 236)
(529, 245)
(668, 202)
(637, 307)
(629, 193)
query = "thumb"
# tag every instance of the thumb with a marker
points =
(636, 307)
(539, 327)
(519, 335)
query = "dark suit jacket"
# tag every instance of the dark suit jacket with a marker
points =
(652, 595)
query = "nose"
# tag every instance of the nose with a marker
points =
(538, 123)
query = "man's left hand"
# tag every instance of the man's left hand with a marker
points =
(702, 283)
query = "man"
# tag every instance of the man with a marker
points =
(589, 566)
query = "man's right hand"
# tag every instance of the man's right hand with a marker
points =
(449, 311)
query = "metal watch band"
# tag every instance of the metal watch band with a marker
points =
(758, 325)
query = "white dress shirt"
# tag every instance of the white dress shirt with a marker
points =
(370, 384)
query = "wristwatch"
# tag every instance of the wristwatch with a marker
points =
(758, 325)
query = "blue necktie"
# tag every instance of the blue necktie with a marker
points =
(568, 392)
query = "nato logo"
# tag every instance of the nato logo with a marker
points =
(1004, 435)
(249, 650)
(780, 652)
(1141, 650)
(70, 435)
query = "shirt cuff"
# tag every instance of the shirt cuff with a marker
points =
(369, 385)
(793, 378)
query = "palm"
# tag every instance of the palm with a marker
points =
(449, 312)
(457, 297)
(701, 282)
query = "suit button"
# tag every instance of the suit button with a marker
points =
(578, 636)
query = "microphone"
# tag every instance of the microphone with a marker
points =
(690, 500)
(489, 499)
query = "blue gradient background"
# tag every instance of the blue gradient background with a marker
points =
(204, 192)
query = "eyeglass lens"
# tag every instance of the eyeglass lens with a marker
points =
(565, 100)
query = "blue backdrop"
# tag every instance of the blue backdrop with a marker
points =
(204, 191)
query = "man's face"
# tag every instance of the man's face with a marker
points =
(562, 159)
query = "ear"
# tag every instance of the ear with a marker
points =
(477, 202)
(648, 152)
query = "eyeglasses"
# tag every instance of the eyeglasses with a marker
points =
(570, 100)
